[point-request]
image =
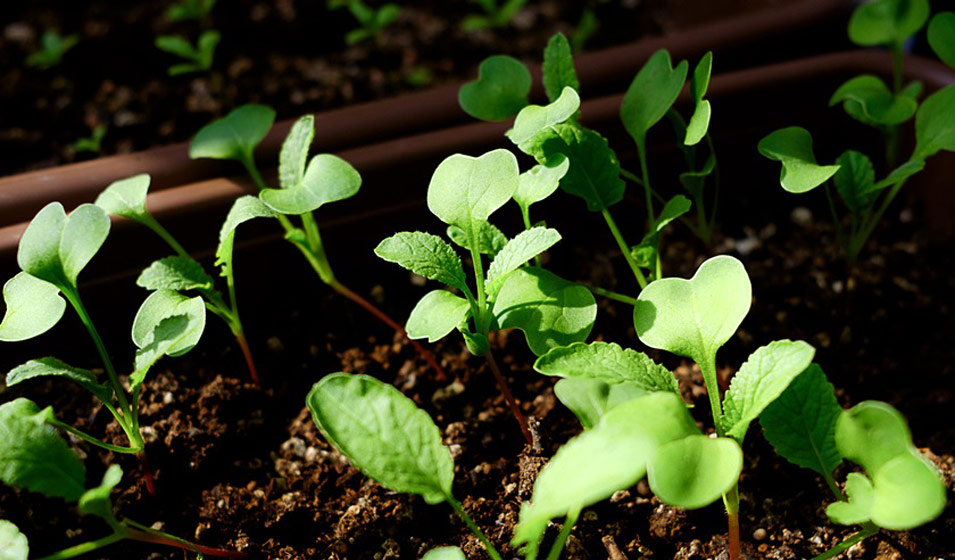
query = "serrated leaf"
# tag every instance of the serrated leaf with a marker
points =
(855, 180)
(801, 423)
(867, 99)
(935, 124)
(500, 90)
(549, 310)
(234, 136)
(33, 456)
(700, 121)
(524, 247)
(53, 367)
(590, 398)
(464, 191)
(883, 22)
(607, 362)
(14, 544)
(294, 153)
(792, 147)
(126, 198)
(426, 255)
(56, 247)
(490, 240)
(535, 121)
(328, 178)
(539, 182)
(437, 314)
(444, 553)
(384, 434)
(34, 306)
(175, 273)
(96, 501)
(760, 380)
(651, 94)
(558, 69)
(941, 37)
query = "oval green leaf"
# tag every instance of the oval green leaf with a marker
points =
(500, 91)
(34, 306)
(235, 135)
(792, 147)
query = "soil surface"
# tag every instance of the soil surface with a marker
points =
(290, 54)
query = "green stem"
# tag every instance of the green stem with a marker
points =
(558, 545)
(641, 279)
(835, 218)
(90, 439)
(716, 182)
(865, 533)
(459, 510)
(609, 294)
(479, 319)
(315, 244)
(631, 176)
(645, 179)
(526, 216)
(858, 242)
(708, 368)
(164, 234)
(249, 163)
(86, 547)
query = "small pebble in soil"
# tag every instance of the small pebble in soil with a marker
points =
(643, 488)
(275, 344)
(619, 496)
(801, 216)
(759, 534)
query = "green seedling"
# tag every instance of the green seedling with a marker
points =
(869, 100)
(186, 10)
(37, 459)
(586, 29)
(463, 193)
(51, 49)
(180, 272)
(53, 251)
(497, 13)
(303, 189)
(92, 143)
(198, 57)
(373, 20)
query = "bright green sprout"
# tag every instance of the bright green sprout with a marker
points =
(497, 13)
(92, 143)
(198, 57)
(373, 20)
(51, 51)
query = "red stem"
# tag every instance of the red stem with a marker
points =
(244, 345)
(509, 398)
(345, 291)
(147, 473)
(143, 536)
(733, 530)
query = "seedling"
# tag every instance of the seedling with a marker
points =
(463, 193)
(497, 13)
(53, 251)
(180, 272)
(198, 57)
(51, 51)
(870, 101)
(327, 178)
(37, 459)
(372, 20)
(93, 142)
(185, 10)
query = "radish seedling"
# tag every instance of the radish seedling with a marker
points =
(92, 143)
(463, 193)
(303, 189)
(184, 10)
(51, 51)
(53, 251)
(372, 20)
(497, 13)
(181, 273)
(198, 57)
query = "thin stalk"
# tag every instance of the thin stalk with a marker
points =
(247, 353)
(84, 548)
(634, 267)
(509, 398)
(139, 532)
(703, 226)
(526, 215)
(459, 510)
(90, 439)
(558, 545)
(731, 501)
(164, 234)
(893, 132)
(858, 242)
(716, 181)
(478, 265)
(648, 190)
(613, 295)
(249, 163)
(708, 368)
(835, 218)
(845, 545)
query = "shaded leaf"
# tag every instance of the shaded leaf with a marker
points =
(96, 501)
(694, 471)
(590, 398)
(700, 121)
(883, 22)
(235, 135)
(941, 37)
(651, 94)
(935, 124)
(500, 91)
(490, 240)
(867, 99)
(444, 553)
(175, 273)
(52, 366)
(900, 174)
(855, 180)
(792, 147)
(558, 69)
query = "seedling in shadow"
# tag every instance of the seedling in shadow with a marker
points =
(302, 190)
(186, 10)
(51, 49)
(92, 143)
(180, 272)
(198, 57)
(463, 193)
(497, 13)
(37, 459)
(373, 20)
(53, 251)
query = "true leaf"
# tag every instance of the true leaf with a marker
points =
(549, 310)
(900, 174)
(235, 135)
(700, 121)
(867, 99)
(883, 22)
(328, 178)
(535, 120)
(52, 366)
(464, 191)
(524, 247)
(801, 423)
(590, 398)
(126, 198)
(941, 36)
(294, 153)
(673, 209)
(935, 124)
(33, 456)
(792, 147)
(855, 180)
(858, 508)
(444, 553)
(384, 434)
(607, 362)
(55, 247)
(694, 471)
(558, 69)
(174, 273)
(96, 501)
(34, 306)
(490, 240)
(426, 255)
(651, 94)
(762, 378)
(167, 324)
(14, 544)
(500, 91)
(541, 181)
(438, 313)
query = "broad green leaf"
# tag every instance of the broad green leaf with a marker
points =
(549, 310)
(694, 317)
(590, 398)
(294, 153)
(762, 378)
(500, 91)
(536, 121)
(700, 121)
(651, 94)
(558, 70)
(175, 273)
(96, 501)
(490, 240)
(34, 306)
(464, 191)
(52, 366)
(858, 508)
(695, 471)
(935, 124)
(541, 181)
(245, 208)
(801, 423)
(328, 178)
(792, 147)
(126, 198)
(867, 99)
(33, 456)
(55, 247)
(855, 180)
(235, 135)
(941, 36)
(883, 22)
(607, 362)
(384, 434)
(444, 553)
(437, 314)
(900, 174)
(167, 324)
(524, 247)
(426, 255)
(14, 544)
